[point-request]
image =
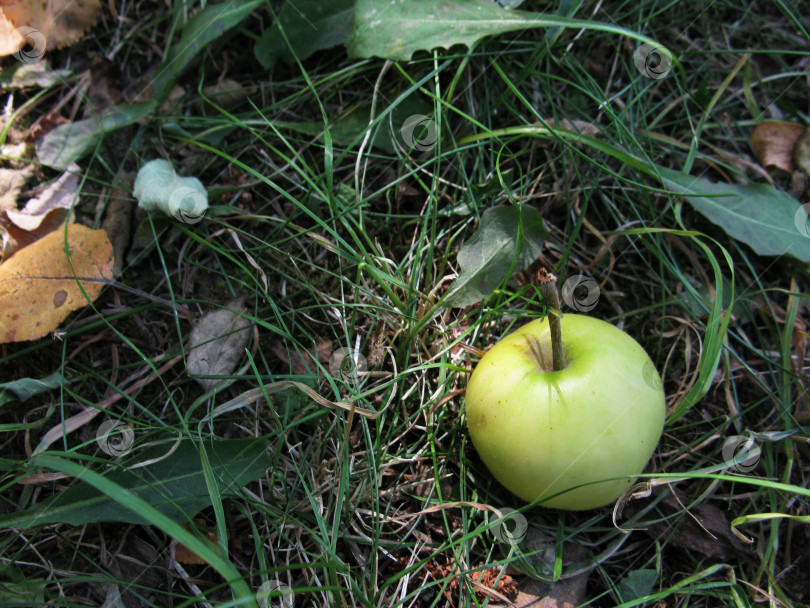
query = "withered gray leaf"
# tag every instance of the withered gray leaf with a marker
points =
(217, 343)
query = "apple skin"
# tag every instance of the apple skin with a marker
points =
(541, 432)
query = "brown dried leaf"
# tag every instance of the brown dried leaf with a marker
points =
(19, 238)
(38, 289)
(773, 143)
(43, 214)
(302, 364)
(44, 125)
(56, 23)
(485, 579)
(59, 195)
(183, 554)
(217, 343)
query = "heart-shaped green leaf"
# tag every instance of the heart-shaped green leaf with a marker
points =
(486, 258)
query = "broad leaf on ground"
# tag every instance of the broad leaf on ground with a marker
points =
(396, 30)
(27, 75)
(486, 258)
(310, 25)
(25, 388)
(637, 585)
(175, 486)
(69, 142)
(757, 214)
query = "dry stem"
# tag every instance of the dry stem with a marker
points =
(547, 283)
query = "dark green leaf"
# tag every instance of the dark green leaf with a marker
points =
(396, 30)
(637, 585)
(494, 186)
(215, 556)
(310, 25)
(757, 214)
(28, 387)
(486, 258)
(175, 485)
(70, 142)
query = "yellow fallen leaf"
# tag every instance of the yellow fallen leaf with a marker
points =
(10, 38)
(37, 286)
(183, 554)
(43, 25)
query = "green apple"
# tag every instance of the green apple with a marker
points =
(541, 432)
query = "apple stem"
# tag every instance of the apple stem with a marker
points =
(547, 284)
